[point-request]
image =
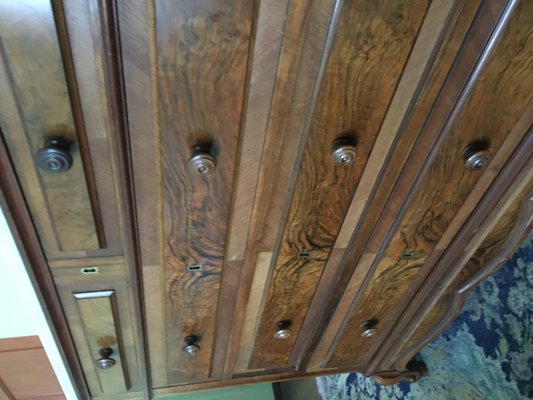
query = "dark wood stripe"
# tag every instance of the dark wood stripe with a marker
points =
(108, 14)
(77, 114)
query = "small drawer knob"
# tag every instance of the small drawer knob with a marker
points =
(369, 333)
(283, 331)
(202, 162)
(54, 157)
(369, 329)
(191, 348)
(344, 151)
(105, 361)
(476, 156)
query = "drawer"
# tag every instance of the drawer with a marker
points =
(335, 154)
(512, 224)
(54, 125)
(96, 302)
(445, 192)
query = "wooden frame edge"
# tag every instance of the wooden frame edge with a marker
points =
(15, 209)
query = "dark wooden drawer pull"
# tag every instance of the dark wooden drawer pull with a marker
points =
(54, 157)
(105, 361)
(344, 151)
(191, 348)
(202, 162)
(283, 331)
(476, 156)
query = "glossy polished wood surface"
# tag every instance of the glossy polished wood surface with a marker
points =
(40, 80)
(363, 263)
(202, 51)
(517, 216)
(355, 93)
(448, 183)
(36, 107)
(100, 314)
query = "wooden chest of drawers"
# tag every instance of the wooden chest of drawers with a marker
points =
(219, 192)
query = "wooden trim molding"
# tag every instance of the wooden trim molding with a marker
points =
(524, 223)
(77, 113)
(108, 14)
(522, 228)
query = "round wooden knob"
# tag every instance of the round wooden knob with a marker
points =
(191, 347)
(476, 157)
(54, 157)
(369, 329)
(201, 161)
(369, 333)
(344, 151)
(282, 334)
(283, 331)
(105, 361)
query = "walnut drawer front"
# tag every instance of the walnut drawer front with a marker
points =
(54, 125)
(96, 302)
(499, 235)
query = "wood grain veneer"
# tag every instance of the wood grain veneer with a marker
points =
(277, 231)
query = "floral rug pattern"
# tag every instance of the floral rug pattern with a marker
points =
(487, 353)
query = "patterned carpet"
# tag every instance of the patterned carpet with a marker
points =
(487, 353)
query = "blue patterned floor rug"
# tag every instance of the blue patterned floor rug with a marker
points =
(487, 353)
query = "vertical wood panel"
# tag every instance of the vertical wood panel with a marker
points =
(306, 35)
(414, 77)
(264, 57)
(137, 35)
(106, 319)
(453, 64)
(87, 47)
(362, 73)
(98, 314)
(36, 81)
(441, 310)
(202, 58)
